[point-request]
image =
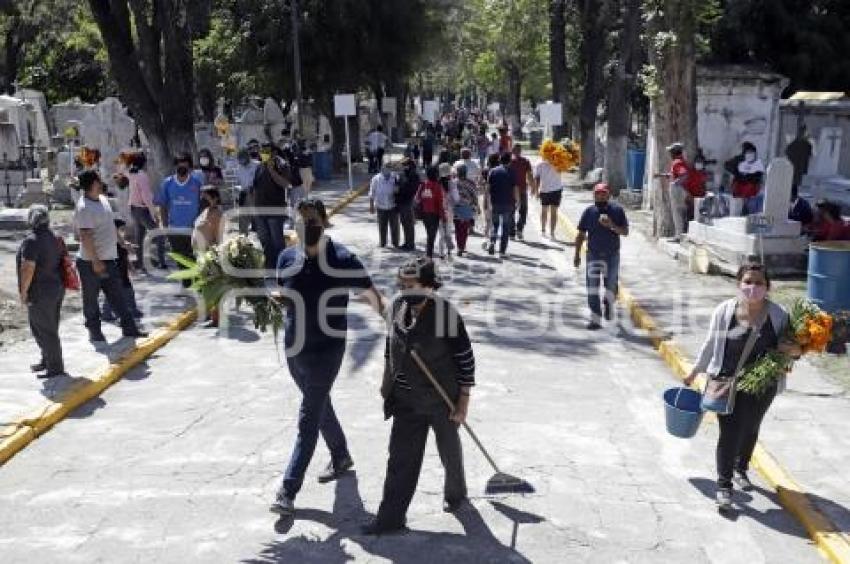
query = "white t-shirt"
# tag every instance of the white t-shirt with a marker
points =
(97, 215)
(548, 177)
(382, 191)
(376, 140)
(473, 171)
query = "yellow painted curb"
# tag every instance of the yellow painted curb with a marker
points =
(26, 429)
(830, 541)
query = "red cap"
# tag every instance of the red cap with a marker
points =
(600, 188)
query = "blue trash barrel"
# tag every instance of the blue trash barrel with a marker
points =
(682, 412)
(635, 166)
(829, 275)
(322, 165)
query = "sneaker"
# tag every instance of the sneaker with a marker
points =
(724, 499)
(283, 506)
(742, 481)
(593, 326)
(334, 471)
(138, 314)
(51, 374)
(606, 312)
(38, 367)
(491, 250)
(135, 333)
(519, 236)
(375, 528)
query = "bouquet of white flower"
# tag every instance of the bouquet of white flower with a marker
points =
(228, 266)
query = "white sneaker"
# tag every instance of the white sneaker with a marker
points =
(724, 499)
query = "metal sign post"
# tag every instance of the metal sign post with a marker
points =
(344, 106)
(760, 224)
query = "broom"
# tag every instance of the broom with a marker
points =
(499, 482)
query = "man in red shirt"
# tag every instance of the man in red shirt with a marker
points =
(520, 167)
(505, 140)
(678, 176)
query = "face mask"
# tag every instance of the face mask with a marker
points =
(182, 170)
(205, 161)
(386, 175)
(750, 157)
(601, 205)
(243, 162)
(753, 292)
(204, 204)
(265, 157)
(699, 166)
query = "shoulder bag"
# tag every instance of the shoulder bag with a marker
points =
(70, 277)
(719, 393)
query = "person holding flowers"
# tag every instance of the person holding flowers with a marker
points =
(547, 181)
(720, 358)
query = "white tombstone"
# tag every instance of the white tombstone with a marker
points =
(272, 114)
(777, 197)
(14, 219)
(39, 103)
(827, 152)
(68, 114)
(250, 126)
(9, 142)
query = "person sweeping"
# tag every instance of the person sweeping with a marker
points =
(427, 327)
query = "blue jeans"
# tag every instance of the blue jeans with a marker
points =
(314, 374)
(503, 216)
(270, 232)
(602, 269)
(111, 285)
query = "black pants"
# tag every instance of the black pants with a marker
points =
(376, 159)
(408, 222)
(521, 213)
(112, 285)
(144, 221)
(739, 433)
(388, 218)
(407, 449)
(43, 313)
(182, 245)
(427, 157)
(432, 225)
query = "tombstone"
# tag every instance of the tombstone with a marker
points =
(37, 100)
(9, 142)
(65, 114)
(12, 219)
(735, 240)
(21, 116)
(109, 129)
(827, 153)
(251, 126)
(33, 194)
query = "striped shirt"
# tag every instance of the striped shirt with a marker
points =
(452, 329)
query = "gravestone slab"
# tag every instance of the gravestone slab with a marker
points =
(9, 142)
(33, 194)
(777, 198)
(827, 152)
(13, 219)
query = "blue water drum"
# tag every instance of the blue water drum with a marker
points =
(829, 275)
(635, 167)
(322, 165)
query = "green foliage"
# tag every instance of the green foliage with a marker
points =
(806, 40)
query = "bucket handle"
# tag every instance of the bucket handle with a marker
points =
(676, 399)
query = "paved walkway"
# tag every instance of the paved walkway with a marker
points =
(806, 428)
(181, 460)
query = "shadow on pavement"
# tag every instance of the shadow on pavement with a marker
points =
(775, 518)
(477, 544)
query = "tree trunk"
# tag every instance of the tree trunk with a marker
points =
(514, 102)
(11, 59)
(593, 60)
(150, 58)
(675, 108)
(619, 96)
(558, 61)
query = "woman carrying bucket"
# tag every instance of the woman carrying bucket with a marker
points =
(721, 358)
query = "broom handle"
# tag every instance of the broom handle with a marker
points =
(449, 403)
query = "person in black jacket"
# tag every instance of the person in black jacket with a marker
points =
(424, 322)
(408, 184)
(271, 183)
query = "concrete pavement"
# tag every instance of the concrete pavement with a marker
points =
(179, 462)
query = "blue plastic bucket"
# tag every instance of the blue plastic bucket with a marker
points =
(323, 165)
(682, 411)
(829, 275)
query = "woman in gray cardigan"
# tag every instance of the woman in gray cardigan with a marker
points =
(730, 327)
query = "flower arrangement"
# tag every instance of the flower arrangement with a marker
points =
(212, 282)
(810, 328)
(564, 157)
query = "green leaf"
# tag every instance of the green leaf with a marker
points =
(183, 261)
(188, 274)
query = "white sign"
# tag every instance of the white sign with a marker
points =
(389, 105)
(345, 105)
(430, 108)
(494, 107)
(550, 114)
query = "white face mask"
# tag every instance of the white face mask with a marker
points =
(699, 166)
(204, 161)
(750, 156)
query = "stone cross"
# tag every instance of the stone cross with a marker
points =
(777, 189)
(828, 152)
